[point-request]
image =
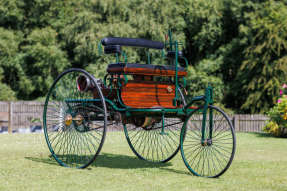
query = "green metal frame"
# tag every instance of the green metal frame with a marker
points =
(179, 112)
(207, 98)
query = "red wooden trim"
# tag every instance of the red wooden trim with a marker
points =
(193, 107)
(146, 71)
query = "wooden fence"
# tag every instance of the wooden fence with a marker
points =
(26, 114)
(20, 114)
(249, 123)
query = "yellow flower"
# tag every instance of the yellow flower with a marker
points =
(285, 116)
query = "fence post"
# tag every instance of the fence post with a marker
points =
(235, 122)
(10, 112)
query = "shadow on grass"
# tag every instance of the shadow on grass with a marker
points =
(176, 171)
(109, 160)
(50, 160)
(265, 135)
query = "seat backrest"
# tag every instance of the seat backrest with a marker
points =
(112, 49)
(137, 42)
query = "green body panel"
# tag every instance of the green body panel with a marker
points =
(176, 112)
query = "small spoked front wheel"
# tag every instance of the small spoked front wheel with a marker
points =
(75, 119)
(209, 154)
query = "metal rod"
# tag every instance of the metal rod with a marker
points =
(176, 77)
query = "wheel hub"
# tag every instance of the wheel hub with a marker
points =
(206, 142)
(68, 120)
(79, 119)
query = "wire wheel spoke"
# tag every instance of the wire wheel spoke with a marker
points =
(152, 143)
(211, 155)
(74, 121)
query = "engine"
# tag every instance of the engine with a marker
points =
(145, 122)
(84, 83)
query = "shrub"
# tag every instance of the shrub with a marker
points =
(277, 125)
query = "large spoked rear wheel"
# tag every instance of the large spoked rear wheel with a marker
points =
(153, 144)
(74, 121)
(211, 156)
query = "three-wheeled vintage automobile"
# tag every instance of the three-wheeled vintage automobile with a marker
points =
(150, 101)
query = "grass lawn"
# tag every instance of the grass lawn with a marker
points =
(260, 164)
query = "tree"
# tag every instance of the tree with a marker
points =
(264, 66)
(6, 93)
(42, 61)
(9, 42)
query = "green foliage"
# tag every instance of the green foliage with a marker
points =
(203, 74)
(239, 46)
(6, 93)
(43, 61)
(12, 13)
(9, 42)
(278, 119)
(204, 28)
(264, 63)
